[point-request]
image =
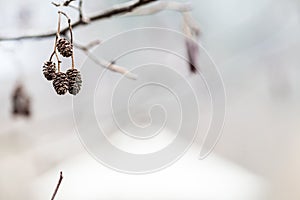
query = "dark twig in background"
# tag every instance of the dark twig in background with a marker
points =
(57, 186)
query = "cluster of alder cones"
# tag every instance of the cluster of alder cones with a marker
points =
(63, 82)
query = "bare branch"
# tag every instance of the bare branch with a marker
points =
(119, 10)
(183, 8)
(103, 63)
(79, 9)
(111, 66)
(88, 46)
(57, 186)
(131, 8)
(56, 4)
(160, 6)
(66, 3)
(191, 23)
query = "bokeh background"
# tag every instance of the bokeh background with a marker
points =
(254, 43)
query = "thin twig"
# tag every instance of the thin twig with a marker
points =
(103, 63)
(111, 66)
(122, 9)
(88, 46)
(191, 24)
(160, 6)
(55, 44)
(79, 8)
(57, 186)
(81, 18)
(66, 3)
(181, 7)
(71, 35)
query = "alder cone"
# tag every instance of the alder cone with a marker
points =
(49, 70)
(64, 47)
(75, 81)
(61, 83)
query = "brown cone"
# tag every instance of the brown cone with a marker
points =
(49, 70)
(75, 81)
(64, 47)
(61, 83)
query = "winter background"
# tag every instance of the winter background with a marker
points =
(255, 44)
